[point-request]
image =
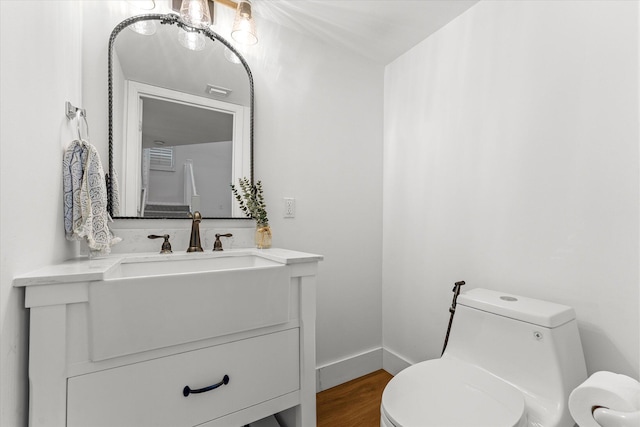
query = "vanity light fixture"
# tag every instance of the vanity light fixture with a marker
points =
(195, 13)
(198, 13)
(218, 90)
(244, 27)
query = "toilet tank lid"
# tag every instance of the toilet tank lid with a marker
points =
(537, 312)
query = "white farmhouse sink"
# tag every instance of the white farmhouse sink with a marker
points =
(184, 265)
(145, 303)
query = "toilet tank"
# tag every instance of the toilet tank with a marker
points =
(532, 344)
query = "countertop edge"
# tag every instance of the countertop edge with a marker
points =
(83, 269)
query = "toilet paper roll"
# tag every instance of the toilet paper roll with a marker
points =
(606, 389)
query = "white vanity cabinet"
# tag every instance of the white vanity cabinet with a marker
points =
(228, 377)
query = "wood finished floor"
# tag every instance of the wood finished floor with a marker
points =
(353, 404)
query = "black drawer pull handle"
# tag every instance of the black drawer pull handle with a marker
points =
(187, 390)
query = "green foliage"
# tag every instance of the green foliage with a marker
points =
(251, 200)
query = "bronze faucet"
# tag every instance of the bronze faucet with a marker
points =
(217, 245)
(194, 241)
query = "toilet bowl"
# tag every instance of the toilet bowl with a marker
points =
(479, 398)
(510, 362)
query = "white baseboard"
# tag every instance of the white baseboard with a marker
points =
(393, 363)
(350, 368)
(347, 369)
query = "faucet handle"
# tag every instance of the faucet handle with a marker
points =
(166, 246)
(217, 245)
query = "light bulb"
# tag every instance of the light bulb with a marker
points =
(244, 27)
(195, 13)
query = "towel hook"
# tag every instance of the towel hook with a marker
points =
(73, 112)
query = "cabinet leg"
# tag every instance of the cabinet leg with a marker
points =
(306, 412)
(47, 366)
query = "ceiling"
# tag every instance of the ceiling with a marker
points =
(380, 30)
(175, 123)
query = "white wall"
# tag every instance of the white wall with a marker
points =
(40, 69)
(319, 139)
(99, 19)
(511, 161)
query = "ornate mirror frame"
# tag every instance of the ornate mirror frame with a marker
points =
(168, 19)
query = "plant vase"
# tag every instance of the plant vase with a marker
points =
(263, 236)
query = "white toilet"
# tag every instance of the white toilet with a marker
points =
(510, 361)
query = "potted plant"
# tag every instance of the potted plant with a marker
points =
(251, 200)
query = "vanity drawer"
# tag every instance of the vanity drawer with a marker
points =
(151, 393)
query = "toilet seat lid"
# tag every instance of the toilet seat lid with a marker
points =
(449, 393)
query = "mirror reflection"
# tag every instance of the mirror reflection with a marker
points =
(180, 120)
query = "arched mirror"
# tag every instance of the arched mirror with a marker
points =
(180, 120)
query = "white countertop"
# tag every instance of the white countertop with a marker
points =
(85, 269)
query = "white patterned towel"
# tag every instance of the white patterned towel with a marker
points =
(115, 194)
(85, 198)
